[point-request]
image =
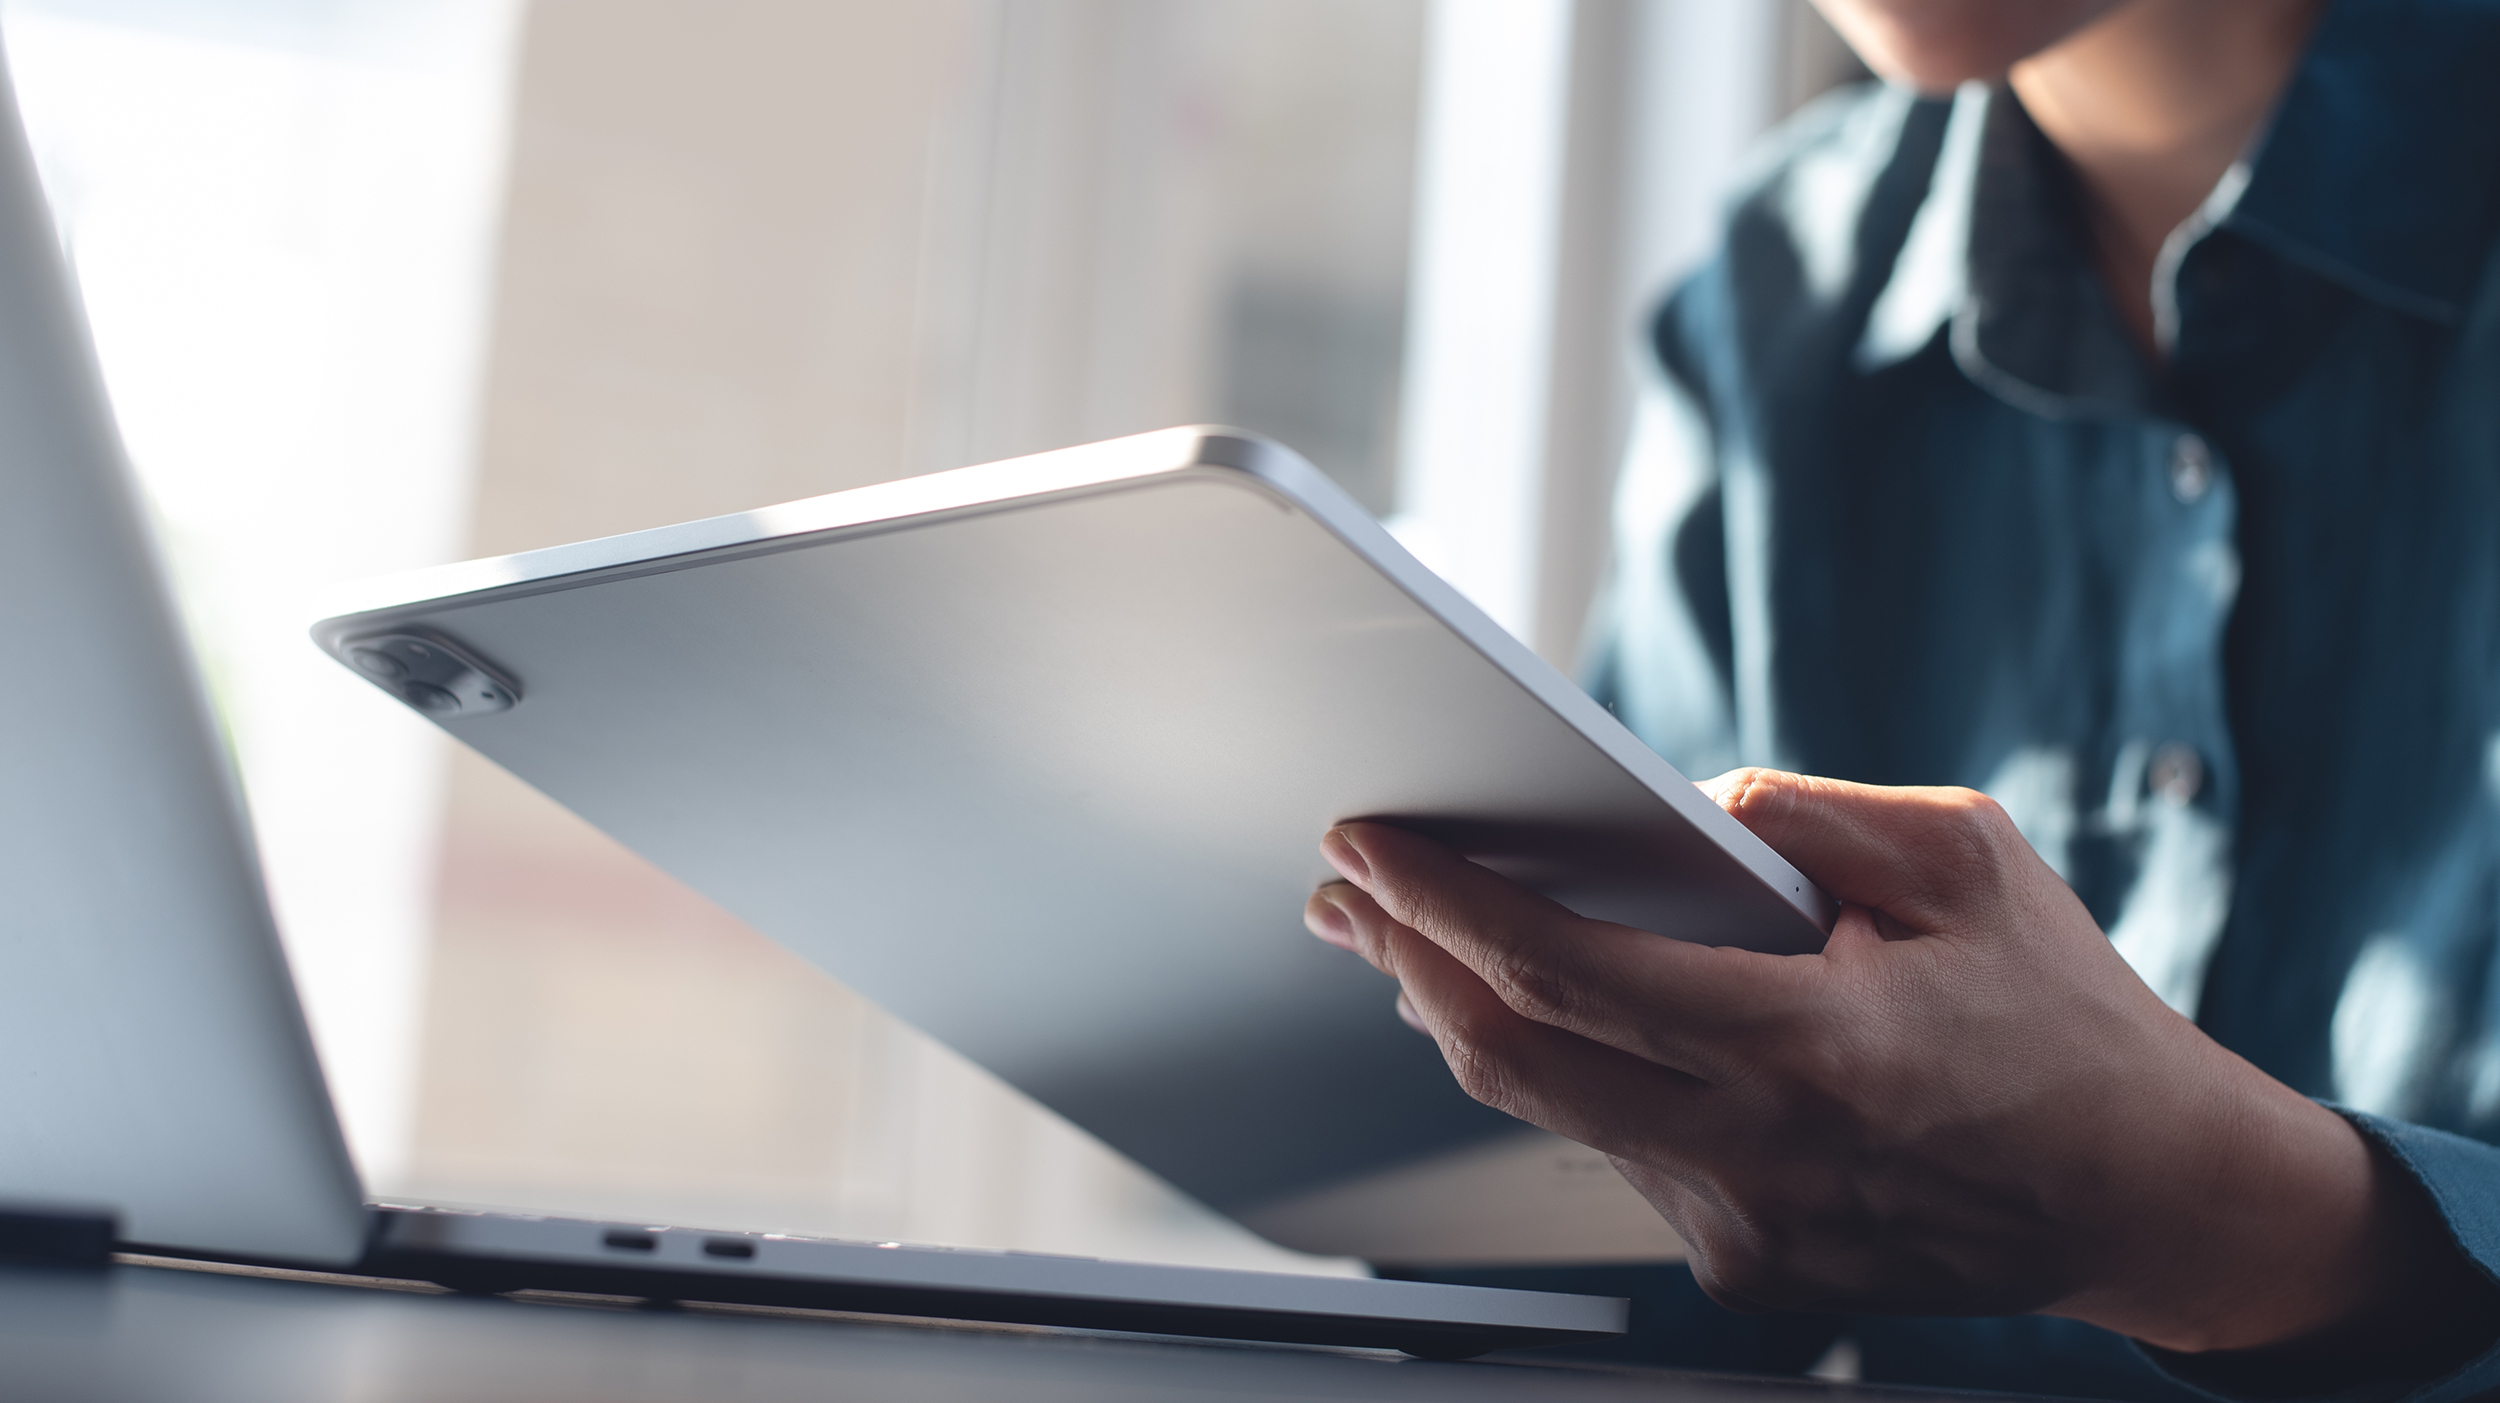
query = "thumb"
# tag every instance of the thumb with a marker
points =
(1916, 854)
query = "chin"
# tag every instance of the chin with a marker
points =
(1936, 46)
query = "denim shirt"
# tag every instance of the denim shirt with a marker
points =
(2222, 635)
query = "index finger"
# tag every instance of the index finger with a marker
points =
(1603, 1097)
(1677, 1004)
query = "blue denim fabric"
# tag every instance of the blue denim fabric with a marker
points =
(2223, 635)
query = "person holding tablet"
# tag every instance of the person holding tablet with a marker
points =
(2100, 420)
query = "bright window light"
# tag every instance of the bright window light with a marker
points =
(281, 219)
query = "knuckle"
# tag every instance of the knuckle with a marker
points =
(1475, 1060)
(1752, 794)
(1535, 989)
(1978, 818)
(1477, 1075)
(1419, 906)
(1976, 831)
(1389, 898)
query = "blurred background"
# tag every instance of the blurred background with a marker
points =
(379, 284)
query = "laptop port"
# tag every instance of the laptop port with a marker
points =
(628, 1241)
(728, 1247)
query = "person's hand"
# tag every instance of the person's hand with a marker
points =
(1967, 1103)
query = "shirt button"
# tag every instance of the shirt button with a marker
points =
(2176, 773)
(2191, 469)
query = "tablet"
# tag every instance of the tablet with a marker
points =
(1037, 755)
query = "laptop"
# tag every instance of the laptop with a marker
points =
(160, 1091)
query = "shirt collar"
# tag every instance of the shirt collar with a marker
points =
(2357, 179)
(1995, 254)
(2381, 169)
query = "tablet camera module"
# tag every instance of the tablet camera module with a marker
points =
(431, 673)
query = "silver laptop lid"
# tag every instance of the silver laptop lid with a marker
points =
(153, 1058)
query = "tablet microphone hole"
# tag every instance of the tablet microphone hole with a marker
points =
(728, 1247)
(632, 1241)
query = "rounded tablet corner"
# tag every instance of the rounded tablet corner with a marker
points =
(1224, 446)
(1254, 461)
(1253, 454)
(435, 675)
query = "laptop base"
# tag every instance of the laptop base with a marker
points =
(492, 1253)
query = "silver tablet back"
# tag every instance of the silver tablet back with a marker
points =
(1037, 756)
(152, 1057)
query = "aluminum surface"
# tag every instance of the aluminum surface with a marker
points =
(1036, 755)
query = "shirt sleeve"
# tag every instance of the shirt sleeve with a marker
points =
(2461, 1177)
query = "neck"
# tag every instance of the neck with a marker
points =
(2152, 105)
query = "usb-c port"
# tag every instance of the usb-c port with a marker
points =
(626, 1241)
(728, 1247)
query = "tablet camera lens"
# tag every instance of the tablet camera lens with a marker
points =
(379, 664)
(430, 699)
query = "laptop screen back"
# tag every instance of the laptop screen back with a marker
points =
(153, 1059)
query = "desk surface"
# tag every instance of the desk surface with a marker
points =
(175, 1335)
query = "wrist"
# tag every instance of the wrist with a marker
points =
(2267, 1235)
(2260, 1218)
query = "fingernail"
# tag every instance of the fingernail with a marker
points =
(1342, 855)
(1328, 920)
